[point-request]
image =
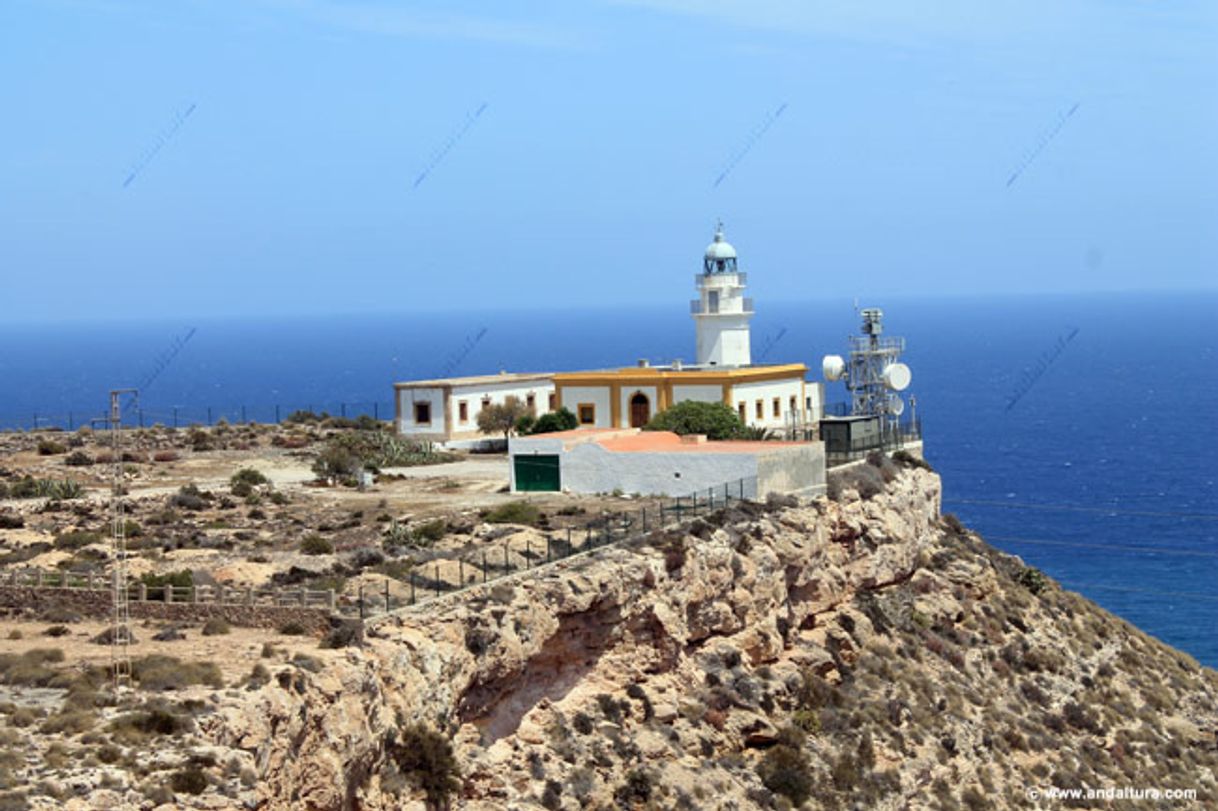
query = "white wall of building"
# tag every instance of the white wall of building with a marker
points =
(628, 393)
(702, 394)
(598, 396)
(766, 391)
(407, 398)
(477, 396)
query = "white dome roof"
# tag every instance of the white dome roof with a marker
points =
(720, 248)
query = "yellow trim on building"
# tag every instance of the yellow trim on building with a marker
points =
(639, 376)
(615, 405)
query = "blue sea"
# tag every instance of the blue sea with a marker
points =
(1112, 445)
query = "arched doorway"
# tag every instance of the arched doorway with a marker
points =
(640, 410)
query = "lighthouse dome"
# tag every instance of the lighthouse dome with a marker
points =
(720, 255)
(720, 248)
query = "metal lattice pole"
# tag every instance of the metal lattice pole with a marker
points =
(120, 629)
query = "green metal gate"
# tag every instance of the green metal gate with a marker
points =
(538, 473)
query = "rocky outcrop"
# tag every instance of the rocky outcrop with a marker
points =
(864, 648)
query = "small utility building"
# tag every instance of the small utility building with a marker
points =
(662, 463)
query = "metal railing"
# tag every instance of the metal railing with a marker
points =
(181, 416)
(894, 438)
(440, 577)
(138, 592)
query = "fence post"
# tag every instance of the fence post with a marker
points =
(331, 600)
(376, 411)
(460, 573)
(483, 565)
(342, 407)
(168, 593)
(568, 542)
(143, 593)
(71, 426)
(243, 413)
(547, 549)
(643, 511)
(361, 595)
(528, 553)
(209, 415)
(507, 567)
(249, 595)
(386, 595)
(437, 580)
(220, 593)
(140, 412)
(304, 596)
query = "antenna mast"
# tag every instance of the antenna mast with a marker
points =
(120, 630)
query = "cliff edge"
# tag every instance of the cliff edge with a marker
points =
(857, 652)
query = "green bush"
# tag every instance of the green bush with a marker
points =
(430, 532)
(1032, 579)
(76, 539)
(560, 420)
(158, 672)
(425, 758)
(55, 490)
(249, 476)
(785, 768)
(78, 459)
(514, 512)
(715, 420)
(49, 447)
(314, 544)
(190, 780)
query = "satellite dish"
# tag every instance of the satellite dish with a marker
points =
(897, 376)
(833, 367)
(896, 406)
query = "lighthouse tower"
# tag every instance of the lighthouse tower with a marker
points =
(721, 313)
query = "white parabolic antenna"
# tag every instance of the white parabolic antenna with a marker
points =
(834, 367)
(896, 406)
(897, 376)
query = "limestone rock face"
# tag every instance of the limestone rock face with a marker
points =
(667, 670)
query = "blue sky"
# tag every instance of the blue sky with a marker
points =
(588, 179)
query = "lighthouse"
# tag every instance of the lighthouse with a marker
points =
(721, 312)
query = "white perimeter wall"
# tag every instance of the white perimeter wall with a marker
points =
(749, 393)
(531, 446)
(589, 468)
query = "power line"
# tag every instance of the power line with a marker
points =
(1112, 546)
(1077, 508)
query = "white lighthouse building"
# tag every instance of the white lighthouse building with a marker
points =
(721, 312)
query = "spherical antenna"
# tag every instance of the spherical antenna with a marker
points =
(897, 376)
(896, 406)
(833, 367)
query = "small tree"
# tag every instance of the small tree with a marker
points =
(501, 418)
(335, 463)
(715, 420)
(560, 420)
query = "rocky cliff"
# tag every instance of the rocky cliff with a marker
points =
(857, 652)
